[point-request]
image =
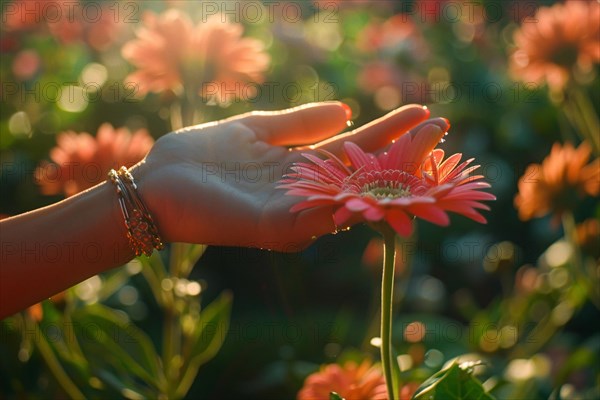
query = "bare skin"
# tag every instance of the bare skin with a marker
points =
(213, 183)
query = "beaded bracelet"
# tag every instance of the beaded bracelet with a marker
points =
(141, 231)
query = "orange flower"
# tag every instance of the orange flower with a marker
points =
(557, 184)
(352, 382)
(373, 254)
(372, 257)
(67, 20)
(556, 40)
(210, 58)
(588, 236)
(82, 161)
(36, 311)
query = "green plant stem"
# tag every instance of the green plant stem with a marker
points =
(401, 289)
(579, 110)
(52, 362)
(577, 265)
(387, 295)
(171, 354)
(547, 328)
(170, 337)
(589, 116)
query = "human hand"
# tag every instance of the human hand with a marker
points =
(215, 183)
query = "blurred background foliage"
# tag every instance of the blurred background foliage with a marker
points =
(521, 296)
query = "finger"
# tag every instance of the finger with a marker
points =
(314, 222)
(442, 123)
(378, 133)
(306, 124)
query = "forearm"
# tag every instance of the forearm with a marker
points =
(53, 248)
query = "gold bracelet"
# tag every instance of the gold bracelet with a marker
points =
(142, 233)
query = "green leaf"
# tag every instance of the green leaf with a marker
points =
(115, 344)
(452, 383)
(584, 356)
(124, 389)
(214, 324)
(335, 396)
(208, 338)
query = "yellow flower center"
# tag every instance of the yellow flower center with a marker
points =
(386, 184)
(390, 190)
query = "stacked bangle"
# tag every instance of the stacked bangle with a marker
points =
(141, 231)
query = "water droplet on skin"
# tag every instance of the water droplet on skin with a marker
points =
(445, 133)
(313, 237)
(349, 123)
(442, 140)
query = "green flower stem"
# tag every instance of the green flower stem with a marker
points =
(577, 268)
(580, 112)
(575, 296)
(387, 295)
(589, 117)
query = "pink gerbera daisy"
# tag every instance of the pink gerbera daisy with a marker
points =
(410, 180)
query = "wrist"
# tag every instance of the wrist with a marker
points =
(153, 194)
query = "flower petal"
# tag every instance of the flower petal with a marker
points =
(373, 213)
(341, 215)
(357, 205)
(360, 159)
(399, 221)
(421, 145)
(430, 213)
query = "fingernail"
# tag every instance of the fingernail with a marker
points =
(348, 110)
(446, 121)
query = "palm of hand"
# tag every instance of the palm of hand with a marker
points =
(216, 183)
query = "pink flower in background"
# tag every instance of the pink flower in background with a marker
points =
(69, 21)
(22, 14)
(211, 58)
(410, 180)
(99, 33)
(351, 382)
(81, 161)
(556, 40)
(398, 34)
(26, 64)
(394, 76)
(392, 86)
(377, 74)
